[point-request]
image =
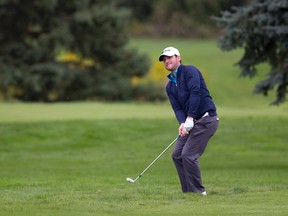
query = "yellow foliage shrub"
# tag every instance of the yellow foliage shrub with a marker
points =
(75, 59)
(157, 74)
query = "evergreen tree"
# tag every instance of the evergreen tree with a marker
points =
(32, 33)
(262, 29)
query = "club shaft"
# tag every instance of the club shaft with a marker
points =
(157, 158)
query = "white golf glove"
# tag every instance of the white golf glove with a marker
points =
(189, 124)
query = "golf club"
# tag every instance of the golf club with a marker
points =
(130, 180)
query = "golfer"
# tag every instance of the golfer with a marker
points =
(196, 114)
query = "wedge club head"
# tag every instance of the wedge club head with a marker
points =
(130, 180)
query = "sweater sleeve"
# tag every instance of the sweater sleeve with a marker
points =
(193, 84)
(179, 113)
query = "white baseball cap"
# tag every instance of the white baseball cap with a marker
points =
(169, 51)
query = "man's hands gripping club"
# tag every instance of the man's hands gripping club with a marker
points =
(185, 128)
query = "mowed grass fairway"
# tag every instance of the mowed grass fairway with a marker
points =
(73, 158)
(79, 167)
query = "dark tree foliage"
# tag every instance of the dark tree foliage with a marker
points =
(32, 33)
(141, 10)
(261, 28)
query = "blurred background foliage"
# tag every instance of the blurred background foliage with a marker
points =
(61, 50)
(187, 18)
(261, 29)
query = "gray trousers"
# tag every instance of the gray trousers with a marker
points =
(187, 151)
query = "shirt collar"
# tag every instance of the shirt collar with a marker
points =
(173, 76)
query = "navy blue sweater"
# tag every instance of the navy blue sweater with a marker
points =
(189, 96)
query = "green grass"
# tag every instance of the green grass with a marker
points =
(31, 112)
(78, 167)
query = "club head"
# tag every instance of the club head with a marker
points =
(130, 180)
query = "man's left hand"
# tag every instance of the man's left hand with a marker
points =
(189, 124)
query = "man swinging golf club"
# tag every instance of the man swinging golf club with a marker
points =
(196, 114)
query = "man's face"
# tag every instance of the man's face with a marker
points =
(171, 62)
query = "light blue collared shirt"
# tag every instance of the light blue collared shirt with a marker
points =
(173, 76)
